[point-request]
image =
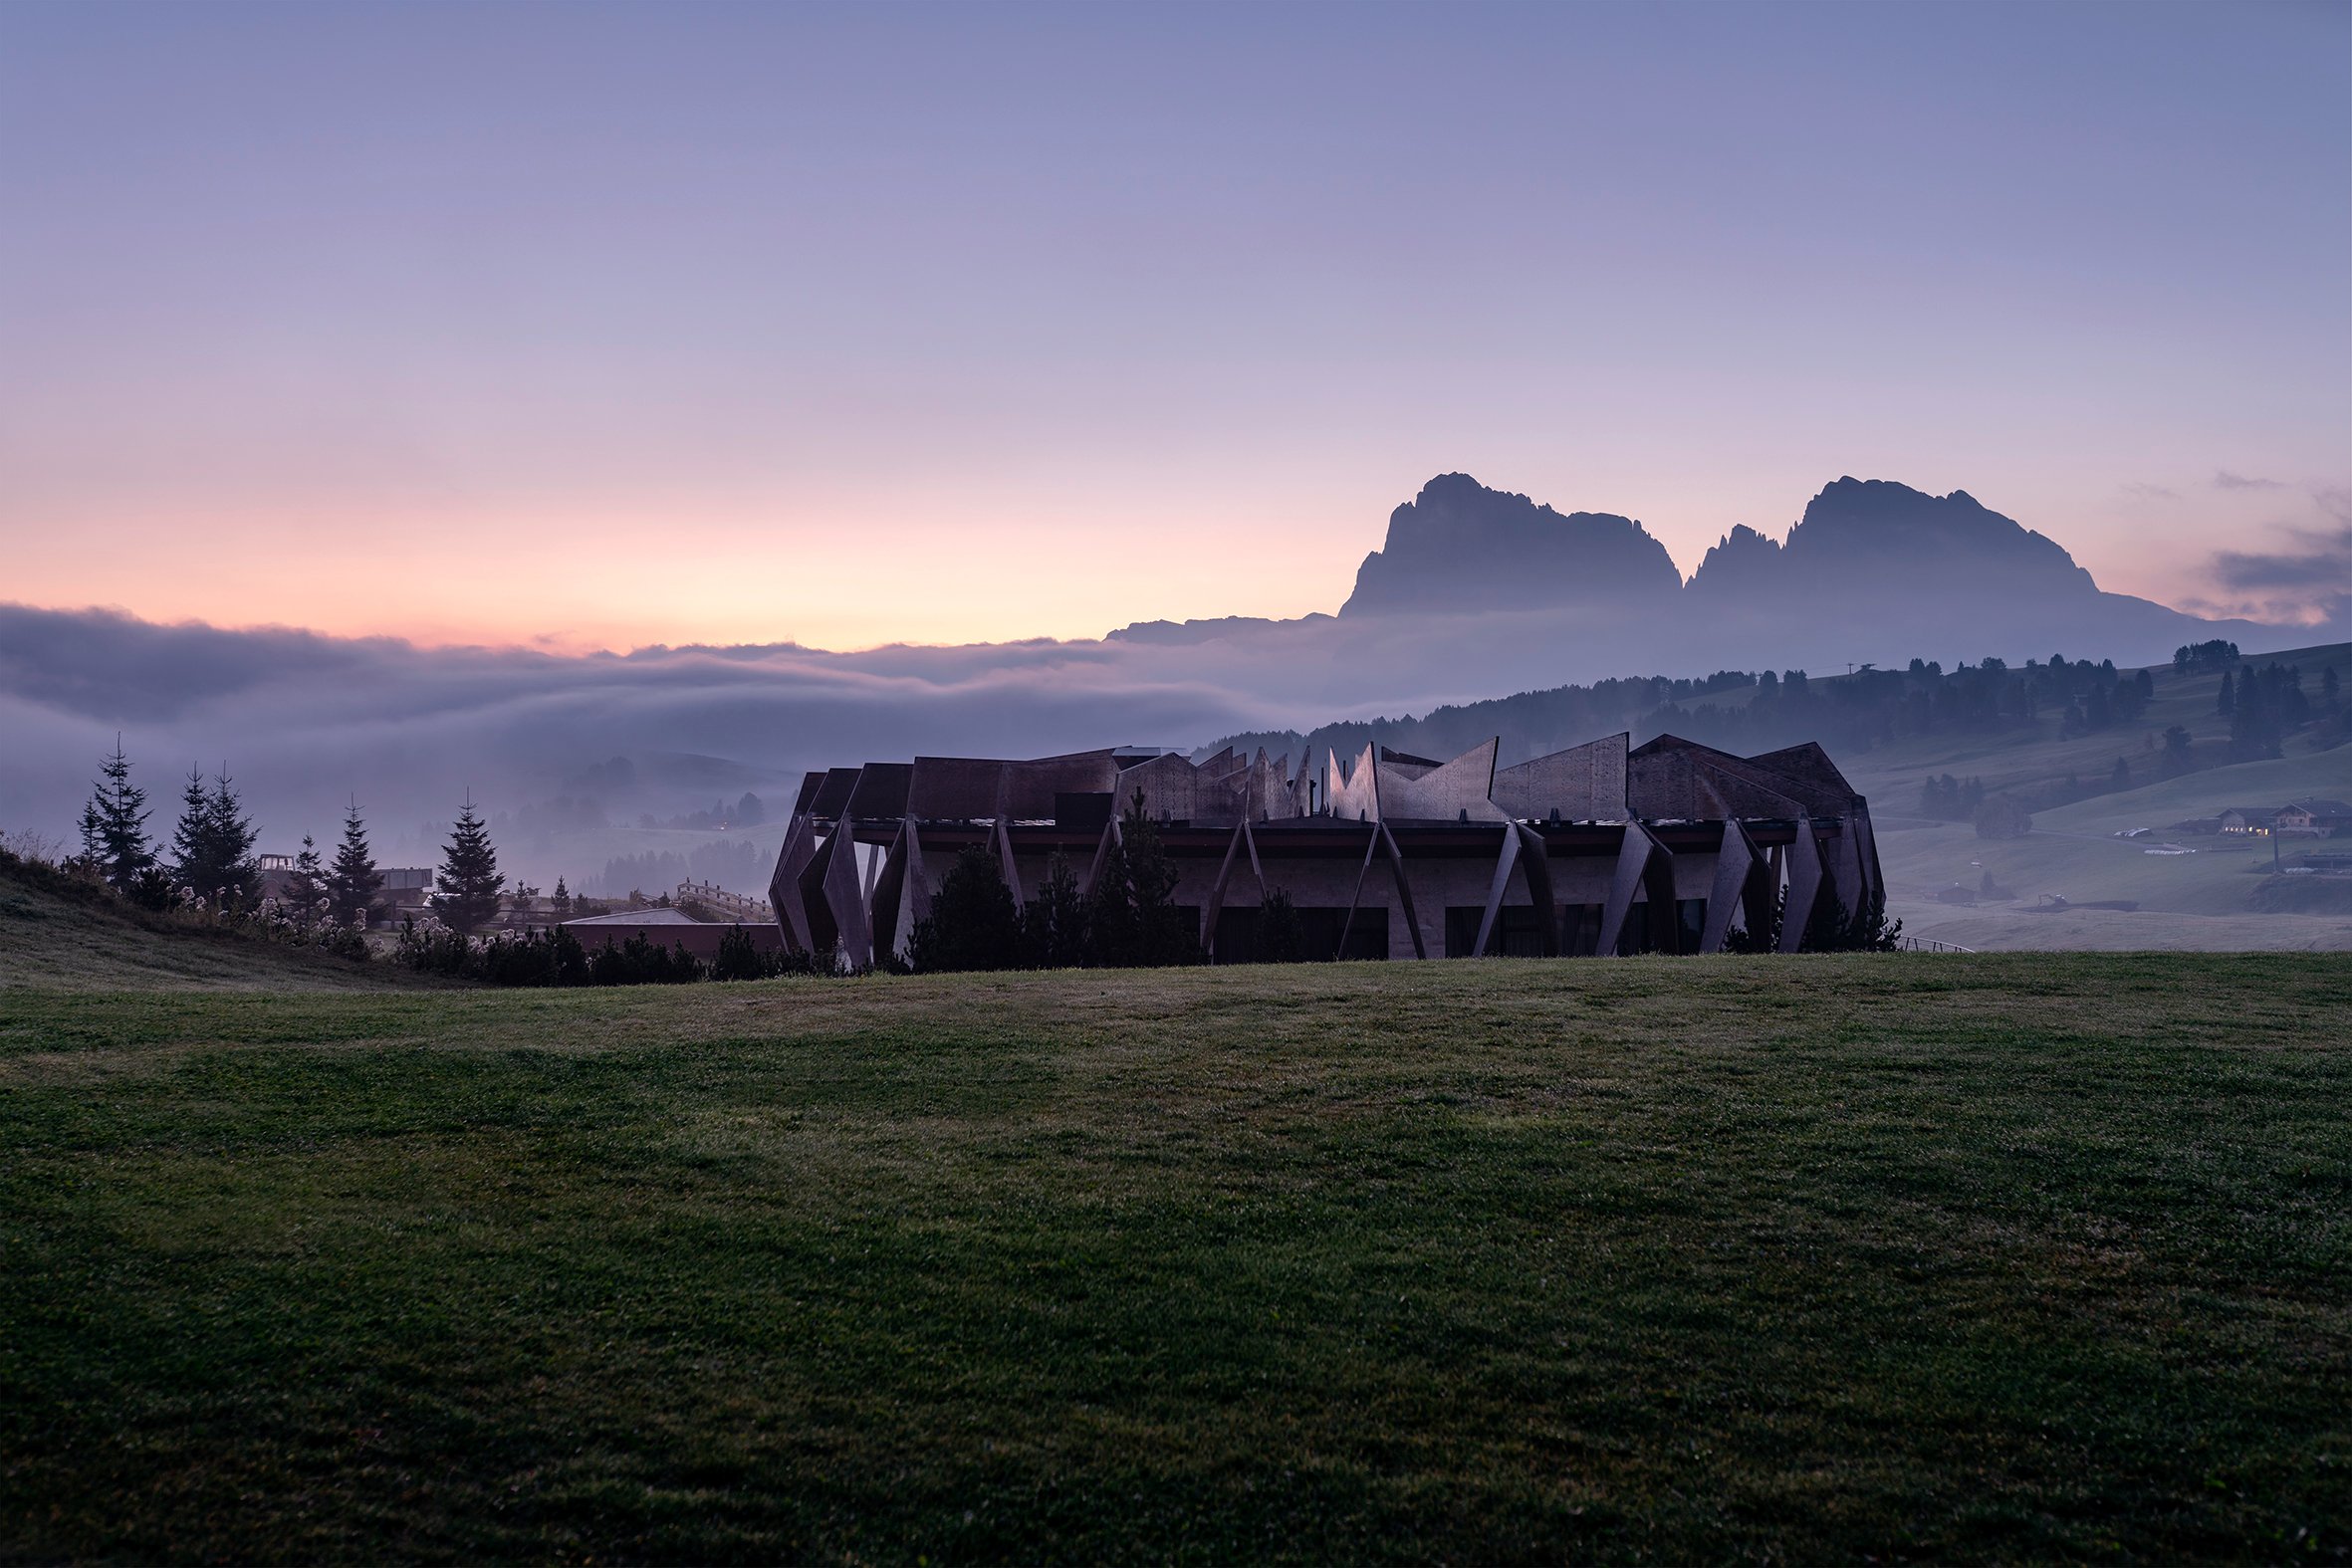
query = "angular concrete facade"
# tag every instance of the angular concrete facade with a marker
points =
(1602, 849)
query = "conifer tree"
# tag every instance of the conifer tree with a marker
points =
(229, 837)
(190, 837)
(2227, 703)
(307, 887)
(467, 887)
(561, 901)
(354, 881)
(114, 824)
(212, 844)
(1054, 924)
(1133, 921)
(972, 924)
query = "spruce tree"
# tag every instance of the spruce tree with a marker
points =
(354, 881)
(191, 839)
(1054, 924)
(229, 834)
(1132, 920)
(115, 826)
(212, 844)
(212, 848)
(562, 901)
(307, 887)
(466, 888)
(972, 924)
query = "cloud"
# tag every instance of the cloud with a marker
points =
(2149, 492)
(2225, 479)
(2307, 583)
(2321, 563)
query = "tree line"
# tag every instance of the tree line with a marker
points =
(209, 864)
(1129, 920)
(1748, 712)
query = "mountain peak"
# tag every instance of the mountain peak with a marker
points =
(1461, 547)
(1875, 534)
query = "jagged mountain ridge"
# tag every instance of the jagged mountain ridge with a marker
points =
(1459, 546)
(1860, 531)
(1865, 550)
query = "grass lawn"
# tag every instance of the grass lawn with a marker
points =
(1906, 1259)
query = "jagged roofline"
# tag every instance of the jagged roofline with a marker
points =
(1808, 762)
(1807, 767)
(1801, 775)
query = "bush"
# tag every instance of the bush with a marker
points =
(973, 924)
(1281, 938)
(2003, 816)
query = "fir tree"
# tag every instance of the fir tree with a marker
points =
(189, 839)
(2227, 703)
(1281, 938)
(972, 924)
(230, 834)
(306, 889)
(1132, 920)
(467, 887)
(212, 844)
(562, 903)
(115, 826)
(1054, 924)
(352, 883)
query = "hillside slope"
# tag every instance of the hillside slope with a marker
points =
(1906, 1259)
(54, 936)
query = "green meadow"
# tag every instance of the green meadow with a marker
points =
(1894, 1258)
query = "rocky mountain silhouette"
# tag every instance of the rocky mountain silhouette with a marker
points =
(1459, 546)
(1478, 584)
(1875, 534)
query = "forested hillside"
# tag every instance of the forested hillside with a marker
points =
(2262, 703)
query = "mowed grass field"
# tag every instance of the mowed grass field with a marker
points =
(1894, 1258)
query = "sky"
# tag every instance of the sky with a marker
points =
(580, 327)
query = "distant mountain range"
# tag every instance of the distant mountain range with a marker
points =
(1474, 592)
(1871, 564)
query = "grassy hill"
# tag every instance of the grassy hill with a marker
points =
(2203, 900)
(1890, 774)
(1901, 1257)
(54, 933)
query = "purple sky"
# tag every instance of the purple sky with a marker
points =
(608, 326)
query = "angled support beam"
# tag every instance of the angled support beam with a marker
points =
(784, 887)
(1216, 905)
(844, 897)
(824, 934)
(1737, 865)
(1404, 890)
(1804, 886)
(1866, 842)
(1110, 835)
(885, 888)
(1536, 867)
(1250, 842)
(1001, 838)
(1634, 860)
(1503, 865)
(1845, 863)
(901, 894)
(1371, 843)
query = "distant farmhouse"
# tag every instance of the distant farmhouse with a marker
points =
(2315, 818)
(1666, 847)
(2310, 818)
